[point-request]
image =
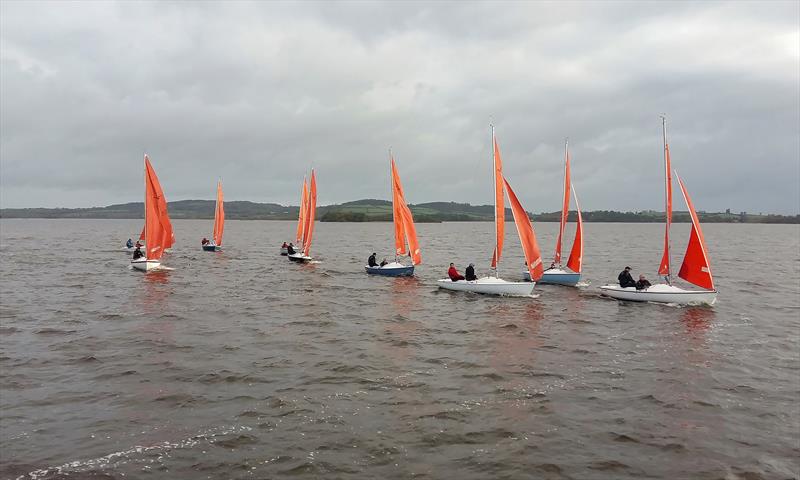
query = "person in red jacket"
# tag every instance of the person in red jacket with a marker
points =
(453, 273)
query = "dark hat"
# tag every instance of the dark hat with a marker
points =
(627, 268)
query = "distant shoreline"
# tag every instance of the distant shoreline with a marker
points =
(370, 210)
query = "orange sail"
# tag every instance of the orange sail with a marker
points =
(695, 268)
(564, 208)
(311, 211)
(404, 229)
(397, 212)
(141, 235)
(664, 267)
(301, 223)
(575, 261)
(219, 217)
(527, 237)
(411, 235)
(499, 203)
(158, 229)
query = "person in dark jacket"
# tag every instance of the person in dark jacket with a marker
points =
(453, 273)
(625, 279)
(129, 243)
(371, 260)
(137, 254)
(290, 249)
(469, 273)
(383, 262)
(642, 284)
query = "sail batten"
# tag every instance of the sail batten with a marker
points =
(527, 236)
(696, 268)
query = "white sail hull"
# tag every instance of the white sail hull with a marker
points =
(144, 265)
(489, 286)
(661, 294)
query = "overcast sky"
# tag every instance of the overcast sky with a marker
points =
(257, 93)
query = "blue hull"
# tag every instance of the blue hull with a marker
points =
(211, 248)
(391, 272)
(568, 279)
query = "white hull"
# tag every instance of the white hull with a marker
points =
(661, 294)
(489, 286)
(299, 257)
(144, 264)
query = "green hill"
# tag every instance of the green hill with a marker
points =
(372, 210)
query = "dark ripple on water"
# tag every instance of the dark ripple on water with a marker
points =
(241, 365)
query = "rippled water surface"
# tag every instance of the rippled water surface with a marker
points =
(240, 364)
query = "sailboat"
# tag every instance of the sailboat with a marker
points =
(493, 285)
(695, 269)
(404, 230)
(556, 274)
(158, 234)
(300, 219)
(307, 213)
(215, 244)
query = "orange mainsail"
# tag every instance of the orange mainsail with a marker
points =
(404, 229)
(499, 203)
(664, 267)
(311, 211)
(219, 217)
(575, 261)
(397, 212)
(141, 235)
(158, 229)
(301, 224)
(564, 207)
(527, 237)
(695, 268)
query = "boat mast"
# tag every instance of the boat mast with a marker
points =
(667, 206)
(216, 209)
(494, 196)
(144, 179)
(391, 180)
(564, 193)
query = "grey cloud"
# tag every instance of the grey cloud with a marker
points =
(259, 92)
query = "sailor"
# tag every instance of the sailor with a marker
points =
(284, 245)
(383, 262)
(470, 272)
(129, 243)
(290, 249)
(371, 260)
(453, 273)
(625, 278)
(205, 241)
(642, 284)
(138, 252)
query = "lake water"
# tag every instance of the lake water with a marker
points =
(240, 364)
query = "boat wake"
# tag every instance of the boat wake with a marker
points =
(137, 453)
